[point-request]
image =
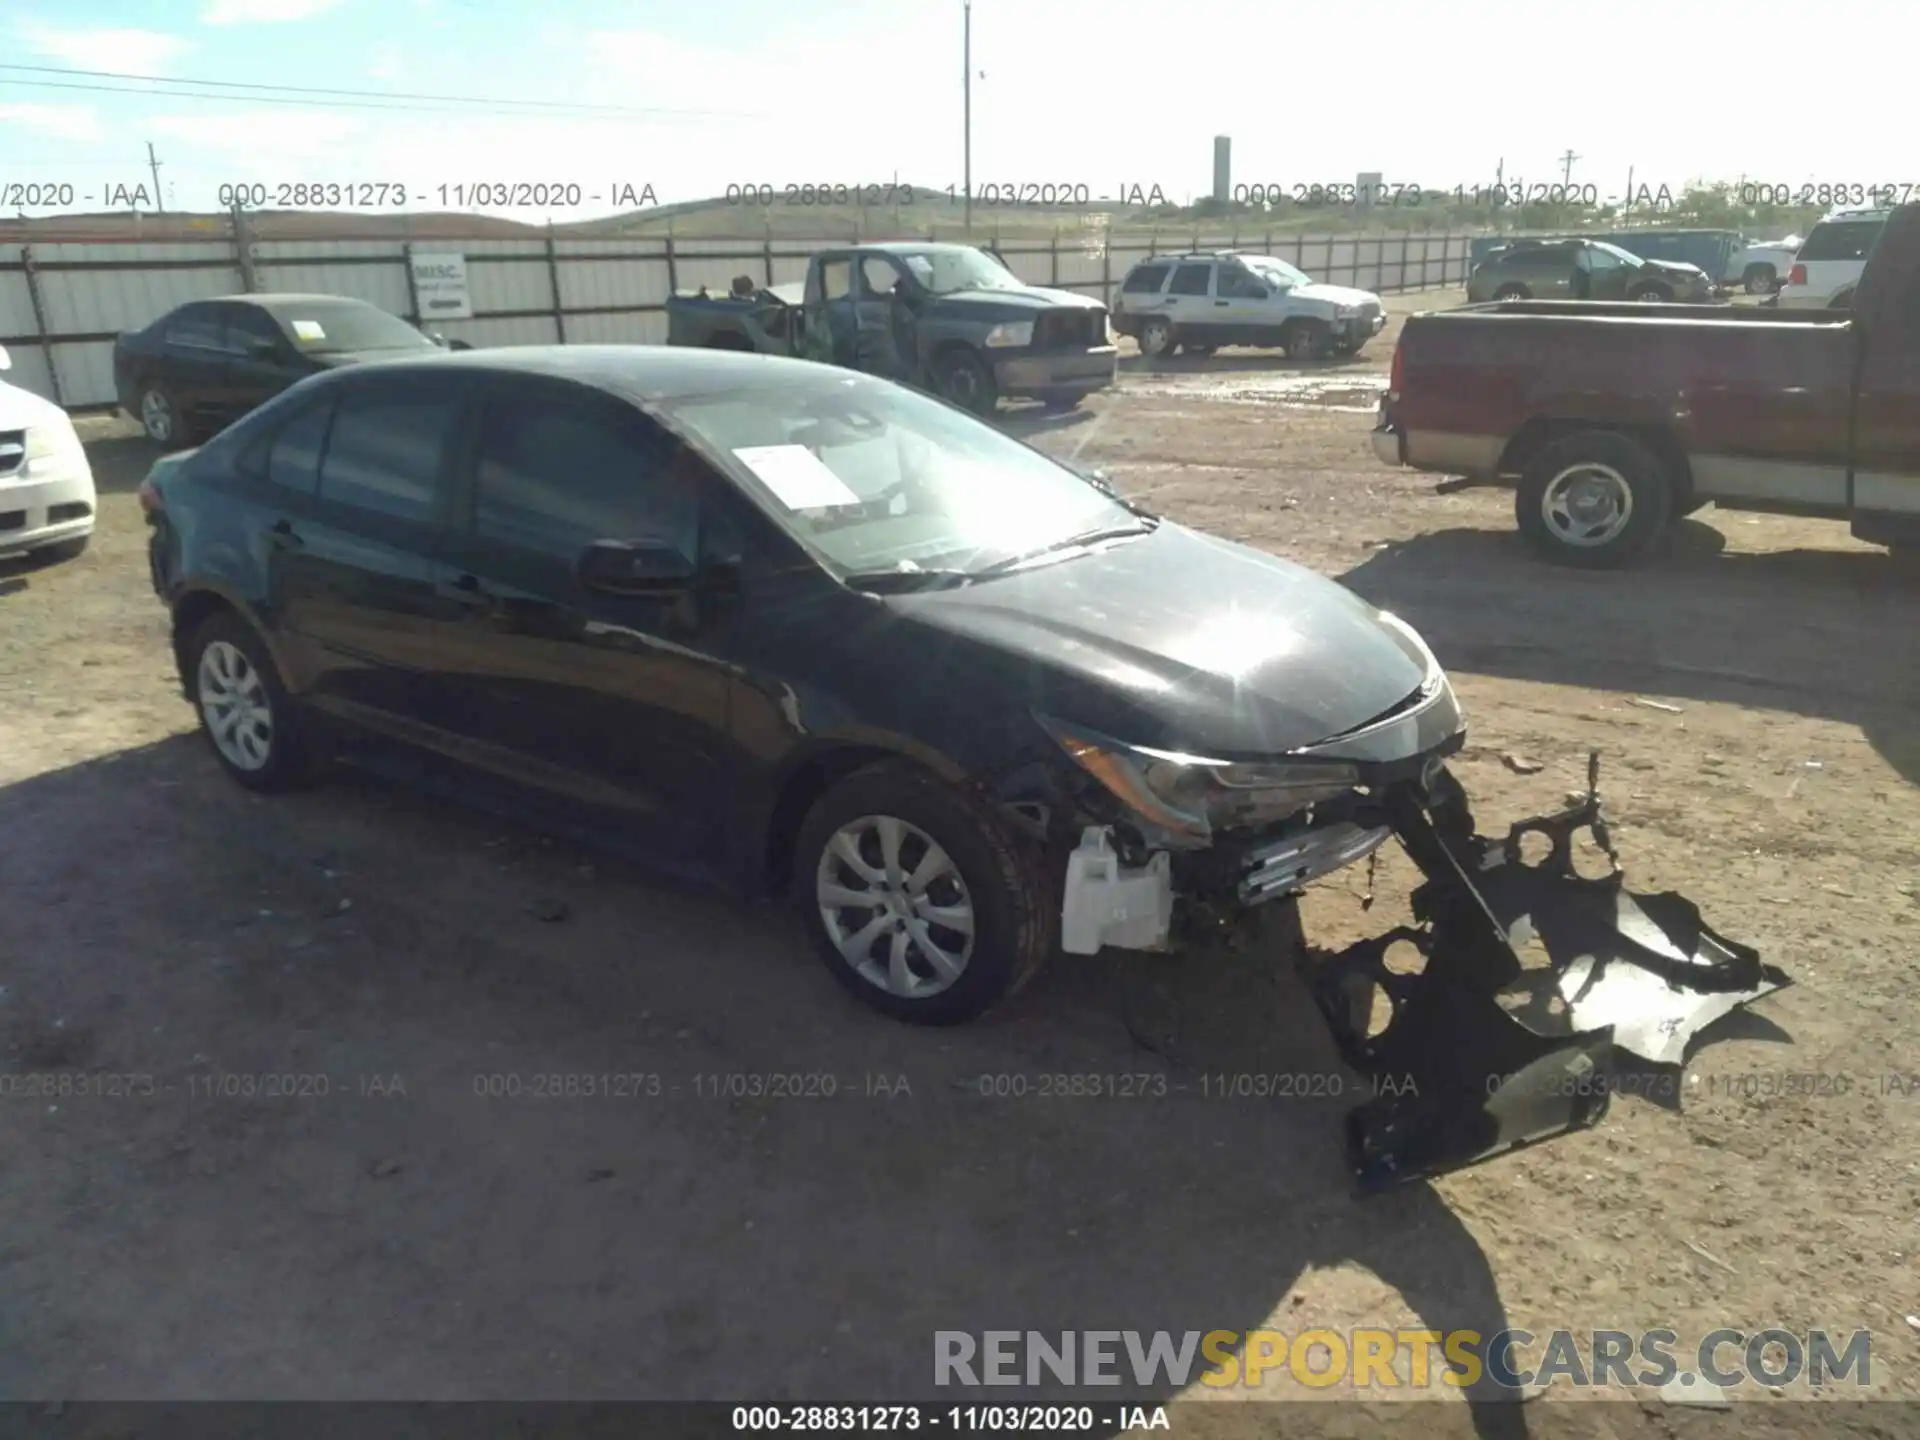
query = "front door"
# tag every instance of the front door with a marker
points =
(263, 363)
(831, 323)
(353, 570)
(1241, 305)
(883, 343)
(1607, 274)
(612, 705)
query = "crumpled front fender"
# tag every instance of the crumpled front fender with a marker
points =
(1482, 1053)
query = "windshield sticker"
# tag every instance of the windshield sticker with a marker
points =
(308, 330)
(796, 476)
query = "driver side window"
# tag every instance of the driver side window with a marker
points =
(1237, 284)
(836, 279)
(880, 277)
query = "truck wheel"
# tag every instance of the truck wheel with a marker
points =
(1157, 340)
(1652, 295)
(1595, 499)
(1304, 339)
(1759, 279)
(964, 380)
(1512, 292)
(922, 901)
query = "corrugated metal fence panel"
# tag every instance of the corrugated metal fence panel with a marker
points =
(86, 373)
(109, 300)
(630, 329)
(509, 281)
(29, 372)
(513, 330)
(381, 283)
(714, 263)
(596, 284)
(16, 304)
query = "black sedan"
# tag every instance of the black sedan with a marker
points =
(817, 632)
(208, 362)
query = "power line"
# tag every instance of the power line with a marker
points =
(296, 94)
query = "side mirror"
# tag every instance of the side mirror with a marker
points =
(634, 567)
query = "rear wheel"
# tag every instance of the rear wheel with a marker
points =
(257, 731)
(1595, 499)
(1157, 340)
(160, 414)
(922, 901)
(965, 380)
(1512, 292)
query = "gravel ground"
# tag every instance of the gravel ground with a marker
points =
(403, 1235)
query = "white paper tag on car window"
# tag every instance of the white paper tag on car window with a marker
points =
(796, 476)
(308, 330)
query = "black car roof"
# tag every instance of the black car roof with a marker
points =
(633, 372)
(289, 300)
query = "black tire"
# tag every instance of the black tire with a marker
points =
(180, 431)
(1631, 463)
(1015, 914)
(1061, 404)
(1760, 279)
(1306, 340)
(294, 755)
(964, 379)
(1652, 295)
(1512, 292)
(1158, 339)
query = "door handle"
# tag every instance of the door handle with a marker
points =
(284, 536)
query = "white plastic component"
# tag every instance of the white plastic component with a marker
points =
(1108, 903)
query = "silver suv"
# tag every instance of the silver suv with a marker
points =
(1201, 302)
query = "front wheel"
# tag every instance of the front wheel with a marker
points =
(1512, 292)
(255, 728)
(1061, 404)
(922, 901)
(1595, 499)
(1651, 295)
(964, 380)
(1306, 340)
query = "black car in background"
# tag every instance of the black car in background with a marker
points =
(208, 362)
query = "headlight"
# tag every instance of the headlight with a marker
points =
(1011, 333)
(1345, 312)
(51, 439)
(1191, 796)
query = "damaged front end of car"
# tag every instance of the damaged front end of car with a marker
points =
(1468, 1049)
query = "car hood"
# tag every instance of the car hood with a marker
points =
(1181, 641)
(1027, 297)
(1677, 269)
(21, 408)
(1333, 294)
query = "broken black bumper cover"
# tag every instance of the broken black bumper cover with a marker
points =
(1483, 1054)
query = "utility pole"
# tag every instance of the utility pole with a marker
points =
(1566, 168)
(966, 103)
(153, 164)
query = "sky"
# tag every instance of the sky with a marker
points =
(1106, 94)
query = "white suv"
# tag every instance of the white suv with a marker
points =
(46, 486)
(1831, 259)
(1201, 302)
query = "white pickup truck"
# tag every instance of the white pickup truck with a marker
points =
(1760, 266)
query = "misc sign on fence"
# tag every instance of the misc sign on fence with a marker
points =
(440, 285)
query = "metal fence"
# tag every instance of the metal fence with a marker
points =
(63, 304)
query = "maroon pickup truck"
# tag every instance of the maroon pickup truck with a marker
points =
(1613, 420)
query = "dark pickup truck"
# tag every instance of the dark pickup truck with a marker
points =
(1615, 419)
(947, 318)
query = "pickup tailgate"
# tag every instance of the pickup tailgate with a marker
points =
(1737, 382)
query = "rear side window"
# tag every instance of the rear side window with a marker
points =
(198, 326)
(385, 449)
(1841, 240)
(836, 279)
(1192, 279)
(293, 455)
(1146, 280)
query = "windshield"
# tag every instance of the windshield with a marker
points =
(331, 328)
(961, 268)
(874, 478)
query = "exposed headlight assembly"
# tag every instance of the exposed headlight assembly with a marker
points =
(1010, 334)
(1191, 796)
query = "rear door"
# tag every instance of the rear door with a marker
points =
(615, 705)
(1189, 299)
(1834, 255)
(358, 580)
(192, 364)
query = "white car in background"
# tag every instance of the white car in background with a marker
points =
(47, 499)
(1831, 260)
(1760, 266)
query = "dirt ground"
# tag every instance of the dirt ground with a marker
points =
(403, 1235)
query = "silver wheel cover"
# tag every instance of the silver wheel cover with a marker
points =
(895, 906)
(235, 706)
(1587, 505)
